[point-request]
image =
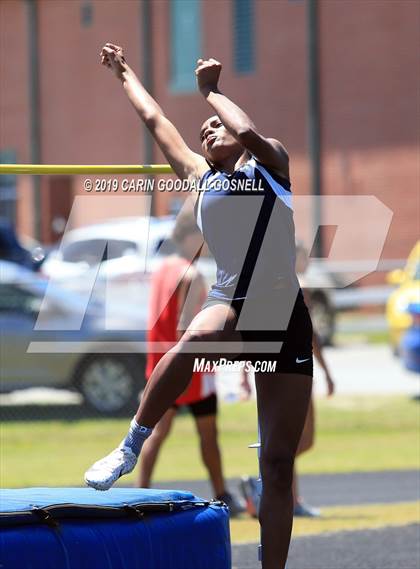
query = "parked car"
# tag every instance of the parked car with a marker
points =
(136, 246)
(11, 248)
(408, 291)
(410, 342)
(123, 249)
(319, 286)
(110, 382)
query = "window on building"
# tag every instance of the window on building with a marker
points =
(244, 36)
(185, 44)
(86, 13)
(8, 188)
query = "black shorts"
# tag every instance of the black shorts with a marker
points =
(295, 354)
(206, 406)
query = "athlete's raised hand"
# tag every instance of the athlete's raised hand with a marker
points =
(208, 73)
(112, 56)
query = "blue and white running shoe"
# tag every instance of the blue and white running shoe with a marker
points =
(302, 510)
(250, 488)
(106, 471)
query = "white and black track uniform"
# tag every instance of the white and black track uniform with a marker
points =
(247, 221)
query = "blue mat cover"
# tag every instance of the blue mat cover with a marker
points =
(124, 528)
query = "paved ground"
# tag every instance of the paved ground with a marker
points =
(348, 322)
(387, 548)
(335, 489)
(357, 369)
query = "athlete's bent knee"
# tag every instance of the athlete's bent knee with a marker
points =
(194, 336)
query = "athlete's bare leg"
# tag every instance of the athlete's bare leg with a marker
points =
(213, 326)
(306, 442)
(282, 401)
(173, 373)
(151, 448)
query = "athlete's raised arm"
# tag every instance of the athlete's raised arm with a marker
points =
(186, 163)
(267, 150)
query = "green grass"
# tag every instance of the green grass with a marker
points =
(353, 434)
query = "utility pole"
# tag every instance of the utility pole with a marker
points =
(34, 112)
(147, 79)
(314, 120)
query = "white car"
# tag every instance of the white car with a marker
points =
(116, 249)
(112, 262)
(116, 259)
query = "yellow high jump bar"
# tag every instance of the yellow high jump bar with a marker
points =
(40, 169)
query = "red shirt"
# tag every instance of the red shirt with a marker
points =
(163, 323)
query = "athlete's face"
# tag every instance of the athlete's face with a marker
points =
(217, 143)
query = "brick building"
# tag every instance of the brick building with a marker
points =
(369, 94)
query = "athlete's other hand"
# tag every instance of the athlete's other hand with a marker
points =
(330, 385)
(112, 56)
(245, 390)
(208, 73)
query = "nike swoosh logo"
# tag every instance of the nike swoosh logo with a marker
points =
(298, 361)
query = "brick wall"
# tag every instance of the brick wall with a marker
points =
(369, 93)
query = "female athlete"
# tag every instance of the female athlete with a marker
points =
(254, 312)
